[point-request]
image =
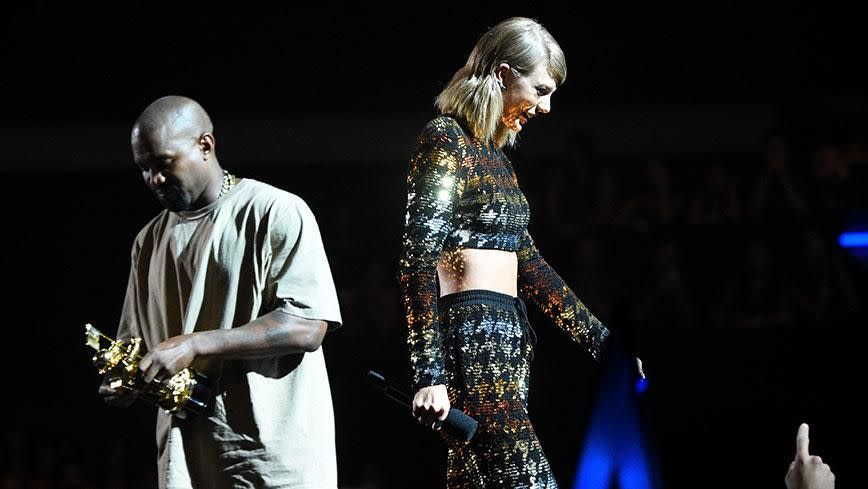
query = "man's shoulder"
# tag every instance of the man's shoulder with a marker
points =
(270, 198)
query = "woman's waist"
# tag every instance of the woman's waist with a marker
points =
(478, 269)
(468, 302)
(477, 296)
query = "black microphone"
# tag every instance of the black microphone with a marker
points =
(456, 424)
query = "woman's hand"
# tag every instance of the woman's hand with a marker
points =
(431, 405)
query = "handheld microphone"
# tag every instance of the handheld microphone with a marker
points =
(456, 424)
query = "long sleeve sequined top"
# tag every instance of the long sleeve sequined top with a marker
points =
(462, 193)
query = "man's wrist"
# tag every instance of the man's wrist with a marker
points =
(201, 344)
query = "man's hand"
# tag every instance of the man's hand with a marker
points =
(808, 471)
(120, 397)
(168, 358)
(431, 405)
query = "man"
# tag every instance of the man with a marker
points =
(230, 279)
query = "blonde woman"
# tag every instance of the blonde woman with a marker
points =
(468, 260)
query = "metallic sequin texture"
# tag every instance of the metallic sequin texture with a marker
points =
(488, 370)
(464, 194)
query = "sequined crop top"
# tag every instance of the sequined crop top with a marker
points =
(462, 193)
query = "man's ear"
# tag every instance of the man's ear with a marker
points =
(207, 145)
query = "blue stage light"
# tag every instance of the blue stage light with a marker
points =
(853, 240)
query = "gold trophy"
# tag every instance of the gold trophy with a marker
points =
(182, 394)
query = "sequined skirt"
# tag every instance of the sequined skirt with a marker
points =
(488, 348)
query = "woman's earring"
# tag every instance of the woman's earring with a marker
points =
(502, 86)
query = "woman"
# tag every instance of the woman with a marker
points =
(467, 256)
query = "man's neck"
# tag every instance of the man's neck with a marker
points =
(212, 190)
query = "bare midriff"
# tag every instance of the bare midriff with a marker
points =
(475, 269)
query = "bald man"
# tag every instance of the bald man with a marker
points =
(231, 279)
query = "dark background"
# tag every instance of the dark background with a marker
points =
(325, 101)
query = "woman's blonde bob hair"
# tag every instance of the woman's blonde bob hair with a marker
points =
(474, 96)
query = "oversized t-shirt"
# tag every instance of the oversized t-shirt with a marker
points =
(254, 250)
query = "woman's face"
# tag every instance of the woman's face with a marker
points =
(525, 96)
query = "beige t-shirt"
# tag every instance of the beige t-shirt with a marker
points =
(254, 250)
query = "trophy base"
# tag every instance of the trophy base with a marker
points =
(200, 399)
